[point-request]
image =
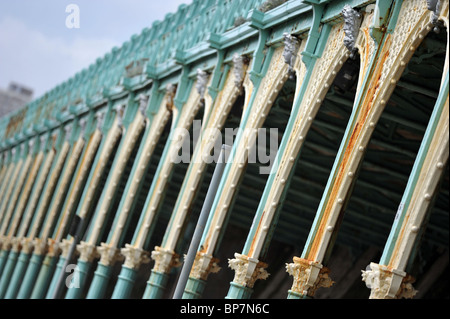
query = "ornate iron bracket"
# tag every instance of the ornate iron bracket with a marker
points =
(143, 103)
(239, 61)
(171, 90)
(120, 110)
(435, 6)
(202, 82)
(100, 116)
(352, 23)
(291, 45)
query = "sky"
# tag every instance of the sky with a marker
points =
(41, 47)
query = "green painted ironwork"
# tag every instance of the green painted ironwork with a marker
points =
(203, 35)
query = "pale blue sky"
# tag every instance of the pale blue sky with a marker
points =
(39, 51)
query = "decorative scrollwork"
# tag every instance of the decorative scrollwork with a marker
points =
(171, 90)
(247, 270)
(308, 276)
(352, 22)
(291, 45)
(82, 124)
(100, 116)
(435, 6)
(202, 82)
(388, 283)
(134, 257)
(120, 111)
(238, 62)
(143, 103)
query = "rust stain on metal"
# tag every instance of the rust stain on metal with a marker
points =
(366, 106)
(252, 247)
(170, 98)
(15, 123)
(399, 240)
(53, 142)
(51, 246)
(204, 246)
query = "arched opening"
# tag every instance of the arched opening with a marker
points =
(96, 197)
(173, 196)
(250, 188)
(233, 120)
(102, 182)
(141, 196)
(384, 173)
(113, 209)
(309, 178)
(166, 203)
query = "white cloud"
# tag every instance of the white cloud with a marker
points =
(41, 62)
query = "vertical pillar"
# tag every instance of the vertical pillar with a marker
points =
(51, 258)
(215, 119)
(155, 127)
(388, 279)
(182, 118)
(7, 169)
(102, 157)
(18, 215)
(313, 80)
(54, 208)
(7, 187)
(185, 114)
(15, 170)
(5, 205)
(134, 258)
(35, 193)
(25, 194)
(8, 173)
(262, 87)
(11, 208)
(87, 249)
(3, 166)
(43, 173)
(38, 217)
(9, 216)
